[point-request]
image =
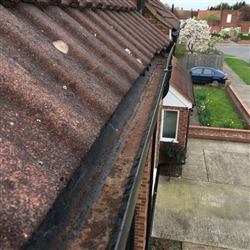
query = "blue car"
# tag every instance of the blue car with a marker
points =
(207, 75)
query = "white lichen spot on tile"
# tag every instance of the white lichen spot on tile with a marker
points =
(61, 46)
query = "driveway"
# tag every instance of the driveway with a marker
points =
(240, 50)
(210, 205)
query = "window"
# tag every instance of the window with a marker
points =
(229, 17)
(197, 71)
(169, 125)
(208, 72)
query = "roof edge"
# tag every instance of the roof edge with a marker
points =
(157, 16)
(72, 207)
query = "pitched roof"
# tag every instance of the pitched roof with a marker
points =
(207, 13)
(162, 11)
(66, 67)
(181, 80)
(185, 14)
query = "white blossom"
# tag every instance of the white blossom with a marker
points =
(195, 34)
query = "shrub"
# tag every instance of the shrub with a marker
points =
(173, 152)
(244, 36)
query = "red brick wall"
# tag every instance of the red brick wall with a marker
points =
(142, 201)
(142, 206)
(222, 134)
(234, 18)
(215, 25)
(156, 23)
(238, 104)
(245, 25)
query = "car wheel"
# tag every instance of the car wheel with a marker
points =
(216, 82)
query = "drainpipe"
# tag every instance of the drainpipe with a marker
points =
(168, 72)
(150, 212)
(150, 223)
(141, 6)
(187, 131)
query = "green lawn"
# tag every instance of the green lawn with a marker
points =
(240, 67)
(215, 109)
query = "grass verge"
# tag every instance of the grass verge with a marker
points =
(240, 67)
(180, 50)
(215, 109)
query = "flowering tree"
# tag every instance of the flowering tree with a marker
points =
(195, 35)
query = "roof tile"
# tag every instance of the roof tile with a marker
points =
(181, 79)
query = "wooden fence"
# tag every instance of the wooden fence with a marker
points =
(192, 60)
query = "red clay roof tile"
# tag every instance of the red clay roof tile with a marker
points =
(181, 79)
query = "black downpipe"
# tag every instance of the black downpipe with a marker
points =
(141, 6)
(153, 207)
(187, 131)
(131, 236)
(168, 71)
(149, 217)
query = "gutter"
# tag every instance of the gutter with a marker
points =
(130, 208)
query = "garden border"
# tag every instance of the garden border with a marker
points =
(226, 134)
(238, 104)
(222, 134)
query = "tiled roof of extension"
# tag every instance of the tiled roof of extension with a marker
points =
(181, 80)
(185, 14)
(54, 104)
(165, 13)
(207, 13)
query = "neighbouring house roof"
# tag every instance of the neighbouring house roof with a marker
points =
(181, 82)
(185, 14)
(160, 11)
(69, 70)
(207, 13)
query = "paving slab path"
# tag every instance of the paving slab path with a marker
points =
(209, 207)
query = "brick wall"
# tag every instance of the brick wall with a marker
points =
(222, 134)
(143, 196)
(234, 18)
(142, 206)
(245, 25)
(238, 104)
(155, 22)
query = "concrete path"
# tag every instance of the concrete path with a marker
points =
(209, 207)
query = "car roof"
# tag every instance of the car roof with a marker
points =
(203, 67)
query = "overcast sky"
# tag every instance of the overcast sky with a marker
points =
(198, 4)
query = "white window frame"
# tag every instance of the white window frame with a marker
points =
(229, 18)
(166, 139)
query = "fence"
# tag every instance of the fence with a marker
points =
(193, 60)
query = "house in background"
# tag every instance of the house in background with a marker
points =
(213, 18)
(183, 15)
(224, 19)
